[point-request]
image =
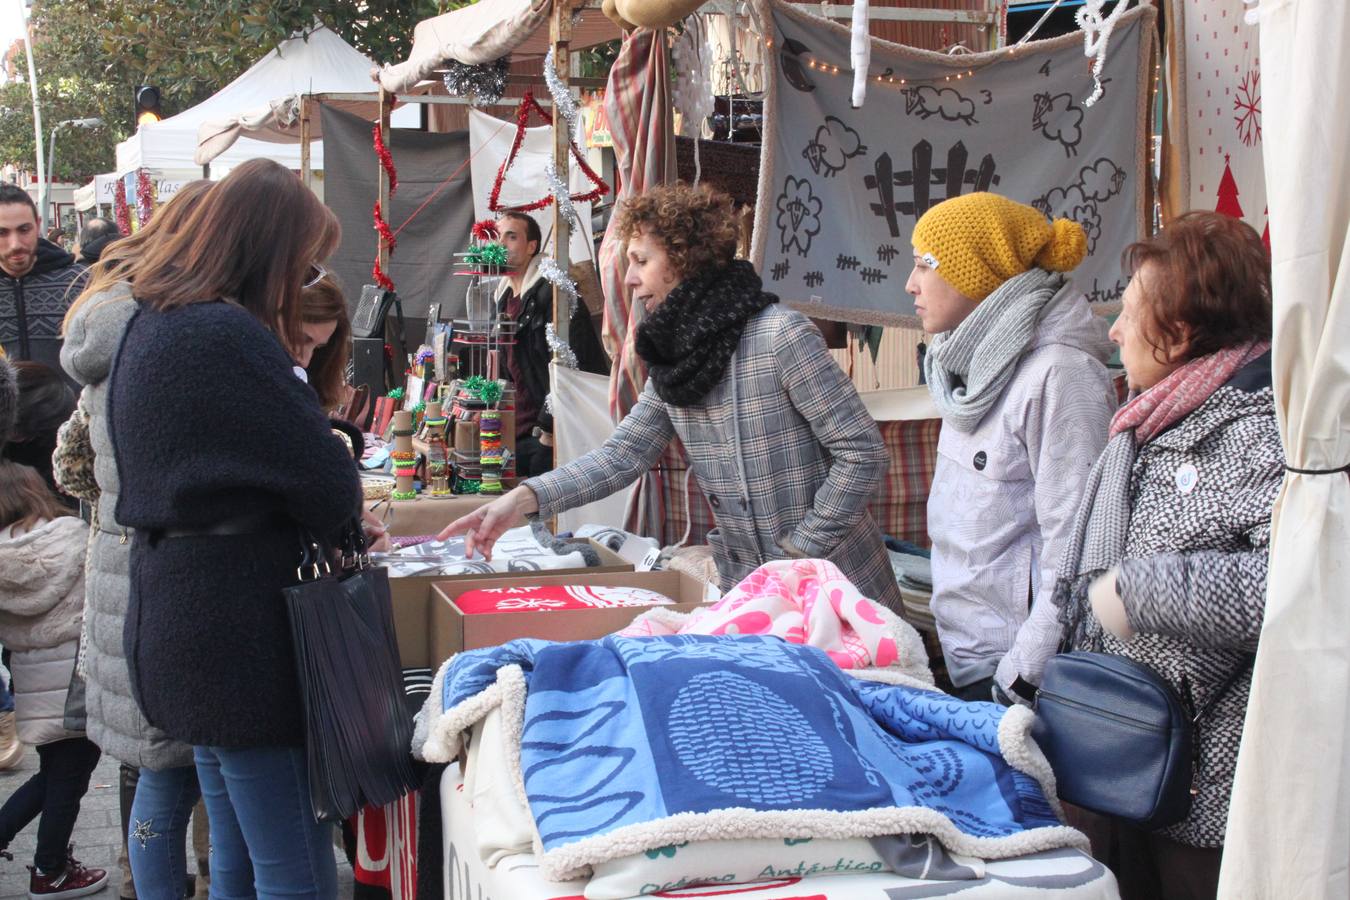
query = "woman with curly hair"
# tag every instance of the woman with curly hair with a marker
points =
(776, 434)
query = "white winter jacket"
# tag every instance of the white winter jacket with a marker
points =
(41, 607)
(1004, 498)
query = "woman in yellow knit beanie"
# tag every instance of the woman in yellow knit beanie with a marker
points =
(1016, 367)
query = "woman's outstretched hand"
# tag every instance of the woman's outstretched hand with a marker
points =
(484, 525)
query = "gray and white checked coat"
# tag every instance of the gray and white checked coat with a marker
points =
(782, 446)
(115, 721)
(1193, 578)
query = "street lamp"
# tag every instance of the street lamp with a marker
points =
(92, 122)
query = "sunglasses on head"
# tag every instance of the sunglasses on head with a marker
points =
(316, 274)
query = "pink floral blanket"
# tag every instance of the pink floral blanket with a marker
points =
(804, 601)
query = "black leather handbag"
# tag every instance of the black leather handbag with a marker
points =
(1119, 738)
(358, 733)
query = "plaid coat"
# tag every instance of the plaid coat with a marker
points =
(782, 447)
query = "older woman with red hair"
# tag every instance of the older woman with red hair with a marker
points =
(1168, 563)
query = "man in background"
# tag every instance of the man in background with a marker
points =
(38, 281)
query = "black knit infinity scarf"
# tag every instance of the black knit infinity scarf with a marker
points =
(689, 339)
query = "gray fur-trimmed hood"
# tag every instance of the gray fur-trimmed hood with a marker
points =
(42, 584)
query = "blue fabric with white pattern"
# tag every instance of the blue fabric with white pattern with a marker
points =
(624, 731)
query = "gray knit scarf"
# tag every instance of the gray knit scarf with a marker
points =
(967, 367)
(1097, 541)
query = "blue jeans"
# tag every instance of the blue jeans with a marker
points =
(6, 690)
(157, 834)
(264, 840)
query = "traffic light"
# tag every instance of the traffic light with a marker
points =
(147, 105)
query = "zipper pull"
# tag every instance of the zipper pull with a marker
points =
(123, 539)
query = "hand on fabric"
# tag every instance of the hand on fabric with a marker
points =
(377, 536)
(1108, 607)
(484, 525)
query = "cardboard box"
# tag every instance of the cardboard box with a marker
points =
(428, 515)
(413, 596)
(451, 631)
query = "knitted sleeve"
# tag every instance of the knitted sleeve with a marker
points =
(1215, 598)
(825, 397)
(210, 421)
(631, 450)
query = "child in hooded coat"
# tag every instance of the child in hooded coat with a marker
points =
(42, 551)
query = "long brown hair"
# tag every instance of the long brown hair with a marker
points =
(25, 499)
(328, 367)
(251, 240)
(120, 259)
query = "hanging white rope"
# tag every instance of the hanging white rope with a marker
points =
(1096, 30)
(860, 51)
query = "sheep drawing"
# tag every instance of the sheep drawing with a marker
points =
(1058, 119)
(926, 101)
(834, 145)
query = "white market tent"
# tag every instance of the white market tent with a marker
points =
(315, 62)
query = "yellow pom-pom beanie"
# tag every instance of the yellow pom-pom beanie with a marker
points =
(978, 241)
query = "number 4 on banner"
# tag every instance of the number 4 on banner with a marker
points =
(528, 103)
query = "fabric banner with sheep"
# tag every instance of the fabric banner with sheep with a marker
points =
(841, 188)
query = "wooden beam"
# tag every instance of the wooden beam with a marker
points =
(903, 14)
(560, 34)
(434, 99)
(306, 172)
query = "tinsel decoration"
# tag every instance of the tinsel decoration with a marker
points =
(485, 231)
(386, 160)
(487, 390)
(561, 351)
(528, 104)
(561, 195)
(486, 256)
(120, 208)
(563, 101)
(381, 279)
(482, 84)
(395, 394)
(549, 268)
(145, 197)
(386, 233)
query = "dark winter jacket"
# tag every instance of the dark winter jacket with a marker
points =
(1193, 578)
(33, 305)
(530, 356)
(209, 425)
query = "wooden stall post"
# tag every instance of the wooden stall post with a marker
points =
(560, 33)
(382, 251)
(306, 173)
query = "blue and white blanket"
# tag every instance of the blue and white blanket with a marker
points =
(628, 744)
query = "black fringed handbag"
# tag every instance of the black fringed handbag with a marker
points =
(358, 733)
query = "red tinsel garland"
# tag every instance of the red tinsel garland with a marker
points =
(120, 210)
(528, 103)
(386, 160)
(145, 197)
(381, 226)
(381, 279)
(386, 233)
(485, 231)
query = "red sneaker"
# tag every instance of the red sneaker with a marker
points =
(72, 881)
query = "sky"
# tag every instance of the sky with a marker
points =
(11, 23)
